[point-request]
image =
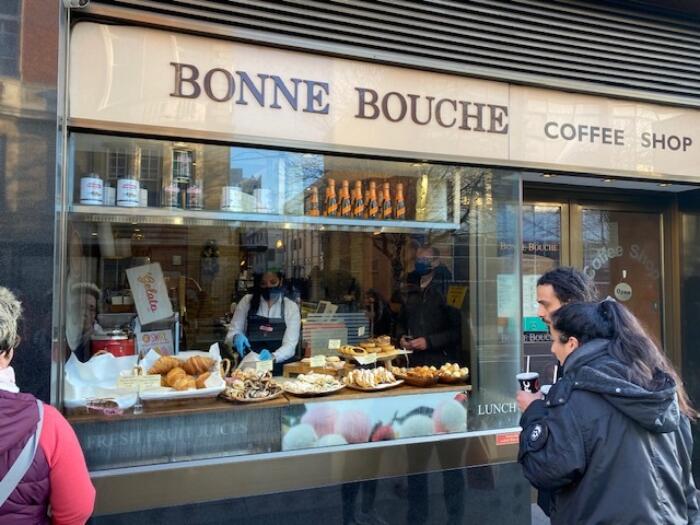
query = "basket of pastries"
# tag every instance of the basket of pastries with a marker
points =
(185, 375)
(453, 373)
(421, 376)
(181, 375)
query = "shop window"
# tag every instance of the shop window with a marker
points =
(379, 265)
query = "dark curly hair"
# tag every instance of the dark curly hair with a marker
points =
(570, 285)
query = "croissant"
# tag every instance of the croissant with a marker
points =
(184, 383)
(174, 374)
(197, 365)
(201, 379)
(164, 365)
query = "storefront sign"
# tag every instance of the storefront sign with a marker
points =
(155, 79)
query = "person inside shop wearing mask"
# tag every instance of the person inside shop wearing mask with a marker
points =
(266, 322)
(427, 324)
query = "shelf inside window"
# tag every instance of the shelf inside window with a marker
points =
(163, 216)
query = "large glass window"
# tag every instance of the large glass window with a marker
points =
(341, 266)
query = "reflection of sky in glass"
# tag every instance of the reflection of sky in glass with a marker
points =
(596, 235)
(541, 224)
(260, 168)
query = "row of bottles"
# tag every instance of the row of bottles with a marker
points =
(370, 204)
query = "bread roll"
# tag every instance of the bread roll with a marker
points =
(173, 375)
(197, 365)
(164, 365)
(202, 379)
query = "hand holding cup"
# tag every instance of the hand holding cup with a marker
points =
(529, 381)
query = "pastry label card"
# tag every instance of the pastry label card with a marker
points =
(317, 361)
(263, 366)
(142, 382)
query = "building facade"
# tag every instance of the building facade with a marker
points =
(160, 159)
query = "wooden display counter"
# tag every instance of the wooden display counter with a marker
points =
(199, 406)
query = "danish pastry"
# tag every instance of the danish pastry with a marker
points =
(197, 365)
(164, 364)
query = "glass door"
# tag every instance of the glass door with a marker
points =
(620, 248)
(620, 245)
(545, 227)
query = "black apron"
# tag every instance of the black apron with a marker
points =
(266, 333)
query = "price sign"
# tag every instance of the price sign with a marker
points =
(263, 366)
(144, 382)
(317, 361)
(334, 344)
(360, 331)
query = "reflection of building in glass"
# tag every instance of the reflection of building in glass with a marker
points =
(10, 22)
(28, 129)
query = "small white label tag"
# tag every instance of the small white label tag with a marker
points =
(263, 366)
(361, 331)
(317, 361)
(145, 382)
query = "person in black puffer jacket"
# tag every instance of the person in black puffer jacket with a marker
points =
(612, 439)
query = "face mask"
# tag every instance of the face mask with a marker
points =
(423, 267)
(271, 293)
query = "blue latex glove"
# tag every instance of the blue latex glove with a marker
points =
(265, 355)
(241, 343)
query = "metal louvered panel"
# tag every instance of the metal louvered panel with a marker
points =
(544, 42)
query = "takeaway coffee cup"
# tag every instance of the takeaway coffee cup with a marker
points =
(529, 381)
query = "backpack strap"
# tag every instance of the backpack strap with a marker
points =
(25, 459)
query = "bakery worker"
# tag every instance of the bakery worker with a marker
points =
(427, 324)
(266, 322)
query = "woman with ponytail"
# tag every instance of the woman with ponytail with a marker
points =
(612, 439)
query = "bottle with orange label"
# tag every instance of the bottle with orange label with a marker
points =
(368, 197)
(372, 205)
(331, 200)
(314, 209)
(345, 201)
(400, 205)
(387, 206)
(358, 203)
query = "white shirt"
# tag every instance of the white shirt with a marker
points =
(292, 319)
